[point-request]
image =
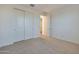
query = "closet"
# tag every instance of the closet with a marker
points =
(32, 25)
(17, 25)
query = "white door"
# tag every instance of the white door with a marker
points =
(28, 25)
(36, 27)
(20, 21)
(7, 26)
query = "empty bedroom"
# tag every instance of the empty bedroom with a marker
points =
(39, 28)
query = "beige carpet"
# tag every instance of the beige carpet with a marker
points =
(40, 46)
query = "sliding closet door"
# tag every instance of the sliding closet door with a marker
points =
(20, 18)
(32, 25)
(36, 26)
(27, 34)
(7, 25)
(28, 25)
(30, 28)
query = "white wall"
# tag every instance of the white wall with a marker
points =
(9, 20)
(65, 23)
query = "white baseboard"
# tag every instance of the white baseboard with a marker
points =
(5, 44)
(75, 42)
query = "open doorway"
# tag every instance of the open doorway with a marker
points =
(43, 25)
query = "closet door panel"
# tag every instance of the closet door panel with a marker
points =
(28, 25)
(36, 27)
(19, 24)
(31, 25)
(7, 26)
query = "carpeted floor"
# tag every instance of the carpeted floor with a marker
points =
(40, 46)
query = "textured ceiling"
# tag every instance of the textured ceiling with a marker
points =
(45, 7)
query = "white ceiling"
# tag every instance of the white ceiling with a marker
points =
(45, 7)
